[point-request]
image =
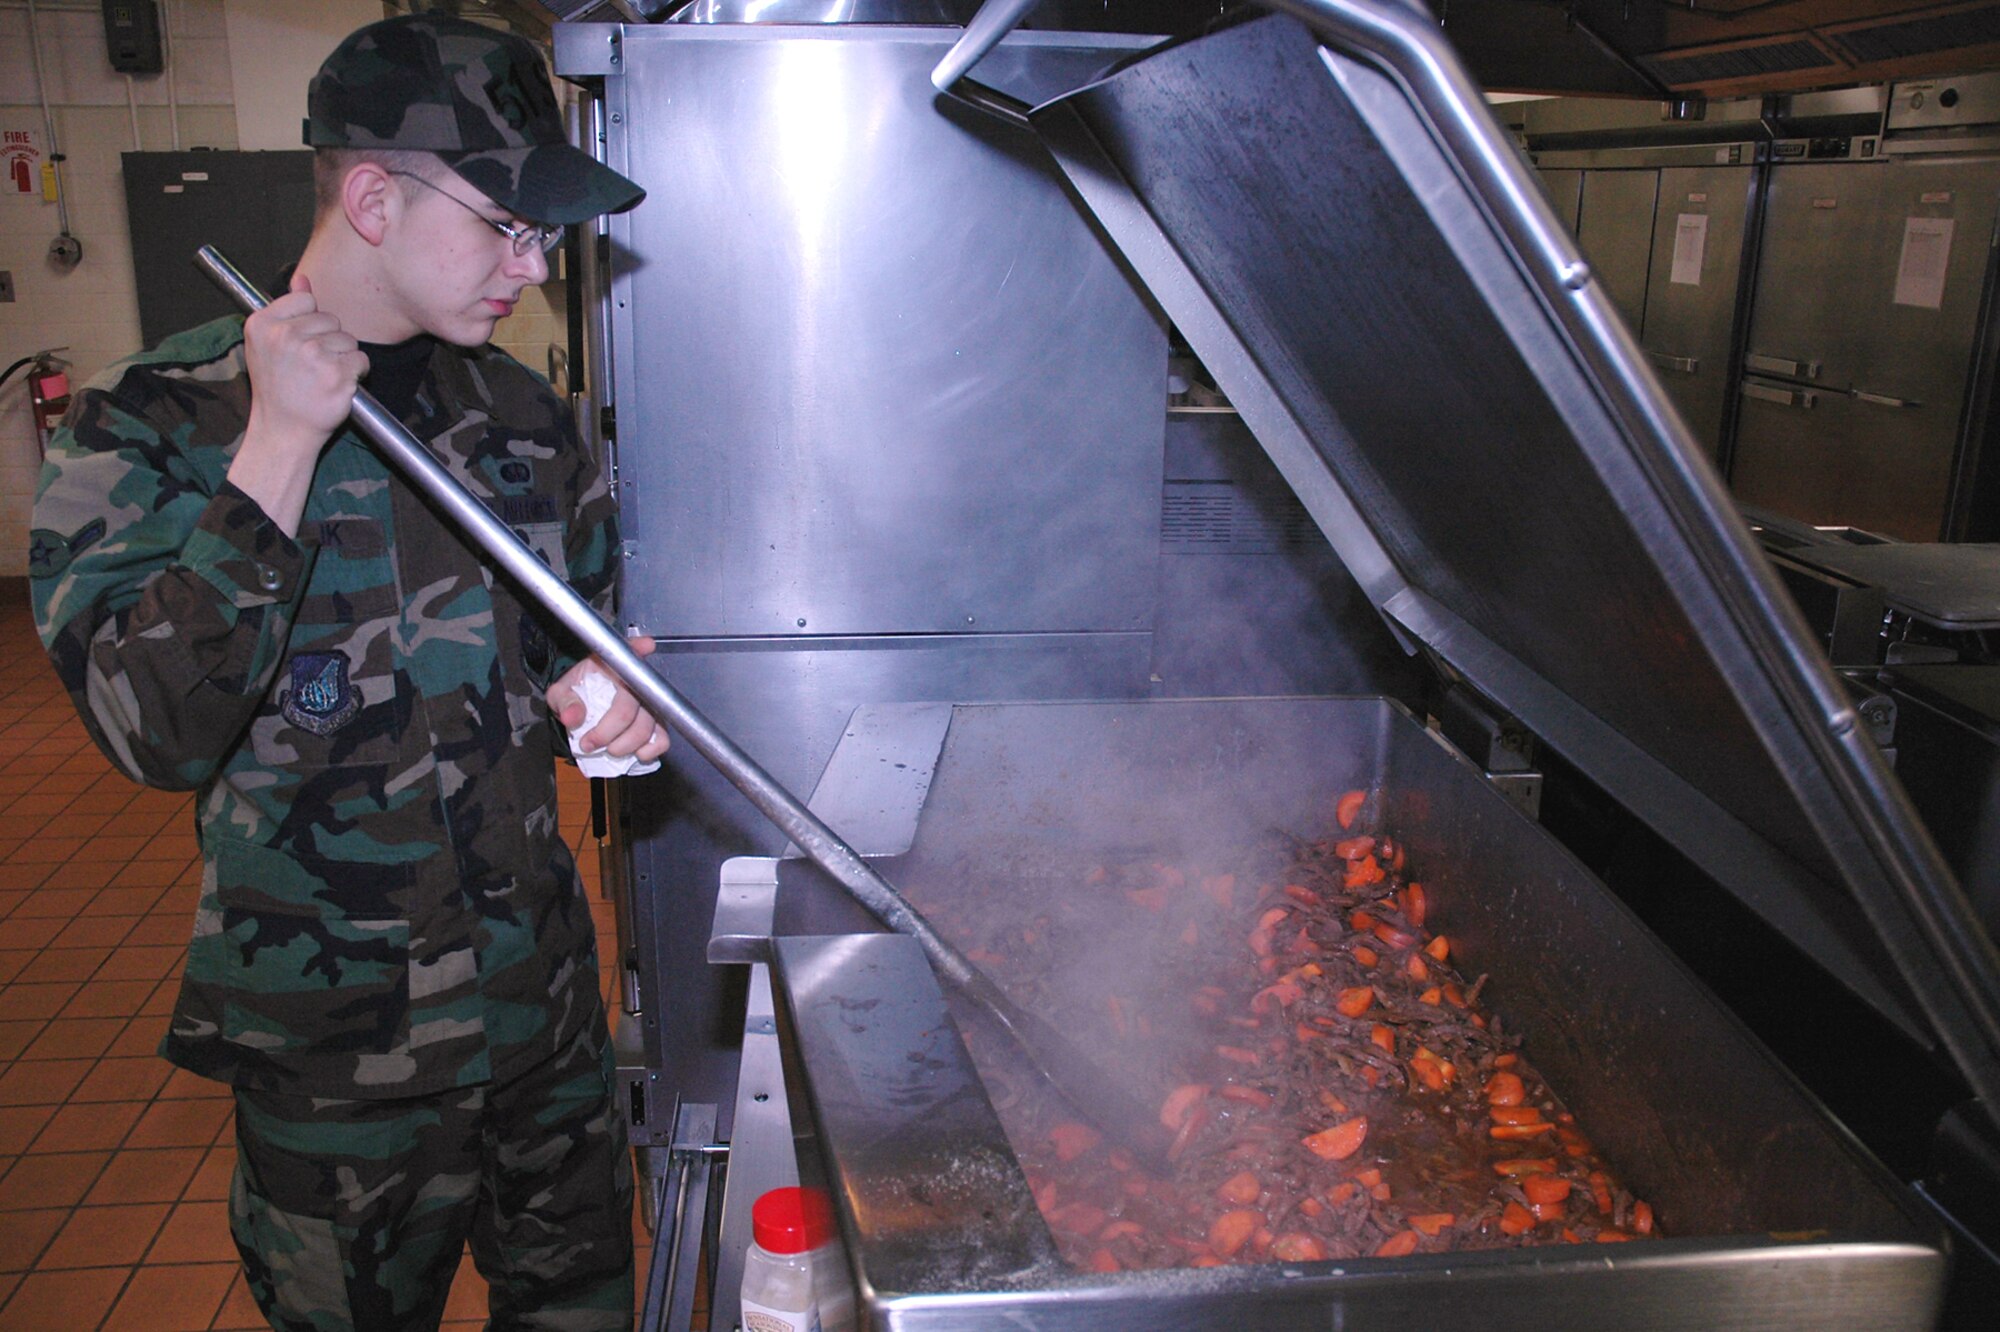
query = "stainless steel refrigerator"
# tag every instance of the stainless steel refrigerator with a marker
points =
(1665, 228)
(1863, 360)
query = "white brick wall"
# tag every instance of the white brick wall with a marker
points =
(93, 309)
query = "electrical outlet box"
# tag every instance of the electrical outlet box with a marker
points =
(132, 36)
(6, 286)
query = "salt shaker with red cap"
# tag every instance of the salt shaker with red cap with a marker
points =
(794, 1278)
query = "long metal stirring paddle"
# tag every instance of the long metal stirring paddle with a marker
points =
(1085, 1084)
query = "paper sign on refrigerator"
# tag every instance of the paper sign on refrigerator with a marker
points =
(1926, 255)
(1690, 244)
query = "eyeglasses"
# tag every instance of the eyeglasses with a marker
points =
(527, 236)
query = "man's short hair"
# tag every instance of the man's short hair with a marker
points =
(331, 165)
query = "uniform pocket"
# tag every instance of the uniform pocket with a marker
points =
(301, 975)
(337, 700)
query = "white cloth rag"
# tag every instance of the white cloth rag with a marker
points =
(597, 689)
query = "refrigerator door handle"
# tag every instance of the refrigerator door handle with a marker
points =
(1783, 397)
(1687, 365)
(1884, 400)
(1779, 365)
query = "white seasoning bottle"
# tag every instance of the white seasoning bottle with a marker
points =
(791, 1262)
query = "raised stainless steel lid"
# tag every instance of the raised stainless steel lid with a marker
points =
(1346, 238)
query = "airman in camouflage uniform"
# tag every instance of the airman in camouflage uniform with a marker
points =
(392, 961)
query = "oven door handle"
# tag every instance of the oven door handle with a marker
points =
(1801, 398)
(1884, 400)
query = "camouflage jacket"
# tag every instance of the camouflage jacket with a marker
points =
(387, 906)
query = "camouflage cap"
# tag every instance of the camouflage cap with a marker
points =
(478, 98)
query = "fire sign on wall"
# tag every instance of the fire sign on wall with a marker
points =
(21, 155)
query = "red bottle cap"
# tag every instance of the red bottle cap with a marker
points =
(791, 1220)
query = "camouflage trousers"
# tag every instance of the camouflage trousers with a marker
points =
(352, 1214)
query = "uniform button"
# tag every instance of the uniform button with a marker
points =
(269, 579)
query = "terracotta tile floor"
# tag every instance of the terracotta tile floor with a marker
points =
(114, 1166)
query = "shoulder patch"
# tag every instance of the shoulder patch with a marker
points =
(322, 698)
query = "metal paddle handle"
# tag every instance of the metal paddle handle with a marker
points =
(1081, 1081)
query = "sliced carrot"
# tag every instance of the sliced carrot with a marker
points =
(1348, 807)
(1611, 1236)
(1526, 1165)
(1332, 1102)
(1506, 1089)
(1354, 848)
(1430, 1223)
(1312, 969)
(1339, 1142)
(1301, 894)
(1366, 956)
(1220, 889)
(1174, 1110)
(1415, 907)
(1518, 1132)
(1453, 995)
(1072, 1139)
(1390, 935)
(1281, 995)
(1103, 1260)
(1516, 1114)
(1236, 1054)
(1360, 921)
(1197, 1119)
(1545, 1188)
(1433, 996)
(1241, 1188)
(1401, 1243)
(1297, 1247)
(1311, 1207)
(1507, 1060)
(1234, 1091)
(1353, 1003)
(1305, 1033)
(1516, 1219)
(1384, 1037)
(1371, 1075)
(1439, 949)
(1121, 1229)
(1600, 1191)
(1363, 873)
(1642, 1218)
(1343, 1193)
(1232, 1230)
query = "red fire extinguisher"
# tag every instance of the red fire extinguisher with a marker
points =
(48, 390)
